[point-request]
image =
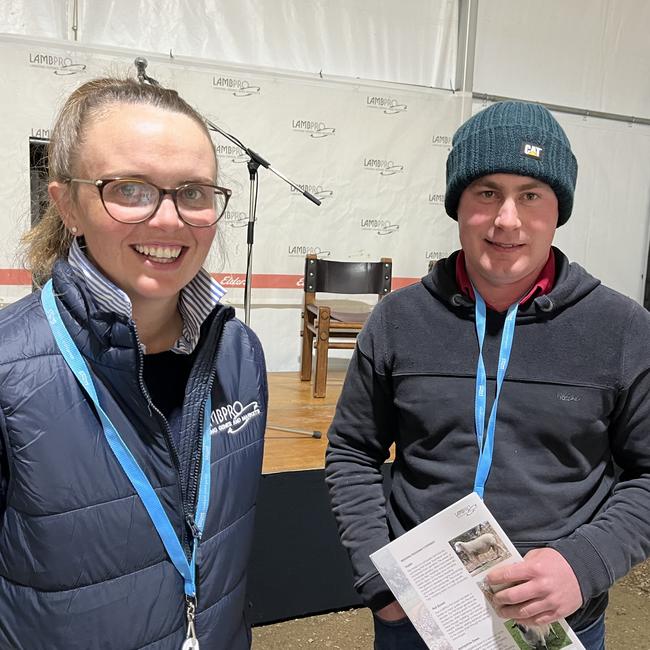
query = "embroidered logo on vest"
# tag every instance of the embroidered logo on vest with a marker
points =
(232, 418)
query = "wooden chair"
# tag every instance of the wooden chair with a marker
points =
(335, 325)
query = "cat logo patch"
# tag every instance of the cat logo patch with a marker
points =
(532, 150)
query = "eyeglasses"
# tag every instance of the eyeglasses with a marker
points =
(131, 200)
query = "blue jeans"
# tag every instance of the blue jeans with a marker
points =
(401, 635)
(397, 635)
(593, 636)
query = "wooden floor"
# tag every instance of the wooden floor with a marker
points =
(292, 406)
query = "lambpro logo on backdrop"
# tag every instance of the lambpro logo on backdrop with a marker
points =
(232, 152)
(317, 190)
(388, 105)
(383, 167)
(379, 225)
(235, 218)
(235, 86)
(313, 128)
(62, 65)
(434, 256)
(302, 250)
(441, 140)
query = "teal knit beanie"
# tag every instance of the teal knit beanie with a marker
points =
(512, 138)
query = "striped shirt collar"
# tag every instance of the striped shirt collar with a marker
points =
(201, 295)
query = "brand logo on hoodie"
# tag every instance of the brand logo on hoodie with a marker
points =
(232, 418)
(569, 397)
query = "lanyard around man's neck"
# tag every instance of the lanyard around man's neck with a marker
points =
(485, 438)
(134, 472)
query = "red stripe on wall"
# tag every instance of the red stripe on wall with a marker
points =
(259, 280)
(282, 281)
(20, 277)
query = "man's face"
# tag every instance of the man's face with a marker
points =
(506, 224)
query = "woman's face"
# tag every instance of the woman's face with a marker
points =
(153, 260)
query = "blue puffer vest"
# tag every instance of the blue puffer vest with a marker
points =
(81, 565)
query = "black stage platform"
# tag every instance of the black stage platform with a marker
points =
(298, 566)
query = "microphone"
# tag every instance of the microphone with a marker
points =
(141, 65)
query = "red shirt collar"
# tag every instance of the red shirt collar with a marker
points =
(543, 284)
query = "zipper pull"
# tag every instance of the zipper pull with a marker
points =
(196, 533)
(191, 642)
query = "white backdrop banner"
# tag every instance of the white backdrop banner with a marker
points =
(373, 153)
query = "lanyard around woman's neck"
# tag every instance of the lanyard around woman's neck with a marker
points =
(134, 472)
(485, 438)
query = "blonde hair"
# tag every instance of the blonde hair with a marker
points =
(49, 240)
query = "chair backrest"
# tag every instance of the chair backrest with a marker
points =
(331, 276)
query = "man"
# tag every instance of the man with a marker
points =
(568, 414)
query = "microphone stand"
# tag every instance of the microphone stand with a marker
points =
(254, 161)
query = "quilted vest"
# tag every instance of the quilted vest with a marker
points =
(81, 565)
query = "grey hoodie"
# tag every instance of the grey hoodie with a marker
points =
(571, 466)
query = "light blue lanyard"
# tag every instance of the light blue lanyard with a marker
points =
(486, 446)
(130, 466)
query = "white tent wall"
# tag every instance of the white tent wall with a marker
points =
(45, 18)
(405, 41)
(590, 54)
(586, 54)
(608, 231)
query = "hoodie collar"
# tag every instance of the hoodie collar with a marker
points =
(572, 283)
(543, 284)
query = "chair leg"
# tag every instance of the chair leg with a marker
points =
(322, 347)
(306, 355)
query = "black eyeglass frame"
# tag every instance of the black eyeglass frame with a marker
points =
(101, 183)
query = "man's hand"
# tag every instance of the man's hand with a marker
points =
(392, 612)
(541, 588)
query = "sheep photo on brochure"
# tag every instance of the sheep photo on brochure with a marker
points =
(437, 573)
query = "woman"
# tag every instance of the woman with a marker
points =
(133, 403)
